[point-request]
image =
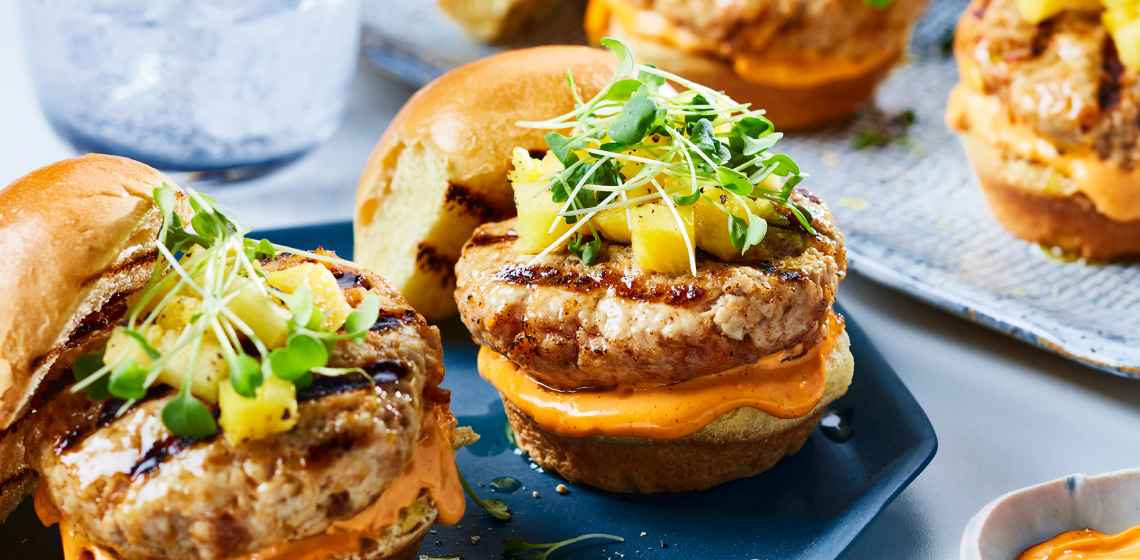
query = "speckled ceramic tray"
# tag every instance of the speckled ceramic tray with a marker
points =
(914, 216)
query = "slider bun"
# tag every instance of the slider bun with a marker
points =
(402, 540)
(496, 20)
(790, 108)
(739, 444)
(73, 235)
(441, 167)
(1072, 223)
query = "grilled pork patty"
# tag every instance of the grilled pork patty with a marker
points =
(132, 487)
(575, 326)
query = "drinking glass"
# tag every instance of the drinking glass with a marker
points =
(228, 88)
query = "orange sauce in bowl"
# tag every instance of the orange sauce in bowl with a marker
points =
(1087, 544)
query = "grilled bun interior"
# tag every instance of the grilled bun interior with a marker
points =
(1047, 114)
(807, 63)
(193, 393)
(441, 167)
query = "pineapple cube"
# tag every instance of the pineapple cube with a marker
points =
(327, 295)
(1122, 18)
(178, 312)
(658, 242)
(612, 224)
(711, 224)
(271, 411)
(1036, 11)
(1127, 39)
(261, 313)
(535, 205)
(206, 370)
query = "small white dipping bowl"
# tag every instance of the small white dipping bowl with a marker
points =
(1020, 519)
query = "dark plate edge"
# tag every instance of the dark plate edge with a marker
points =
(913, 462)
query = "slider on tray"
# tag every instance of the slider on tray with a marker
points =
(170, 388)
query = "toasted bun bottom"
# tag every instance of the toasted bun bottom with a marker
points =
(742, 443)
(402, 540)
(14, 490)
(1013, 188)
(791, 108)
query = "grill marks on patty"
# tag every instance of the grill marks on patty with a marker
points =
(1108, 91)
(611, 324)
(1062, 77)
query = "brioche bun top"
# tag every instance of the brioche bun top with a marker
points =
(468, 116)
(64, 230)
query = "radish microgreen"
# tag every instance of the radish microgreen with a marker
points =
(209, 260)
(648, 127)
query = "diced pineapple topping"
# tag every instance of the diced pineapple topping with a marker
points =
(614, 224)
(711, 223)
(656, 236)
(206, 368)
(536, 210)
(327, 295)
(273, 410)
(1121, 18)
(261, 313)
(1036, 11)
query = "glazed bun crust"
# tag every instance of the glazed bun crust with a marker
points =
(73, 235)
(1071, 222)
(790, 108)
(441, 167)
(739, 444)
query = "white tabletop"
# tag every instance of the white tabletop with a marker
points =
(1007, 415)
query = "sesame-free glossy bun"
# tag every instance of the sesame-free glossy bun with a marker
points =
(73, 235)
(441, 167)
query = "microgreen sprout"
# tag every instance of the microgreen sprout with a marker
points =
(210, 261)
(649, 136)
(516, 547)
(495, 508)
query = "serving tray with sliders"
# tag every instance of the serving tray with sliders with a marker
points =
(909, 199)
(649, 353)
(870, 444)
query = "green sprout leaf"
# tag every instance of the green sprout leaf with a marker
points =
(301, 354)
(300, 304)
(563, 147)
(626, 63)
(495, 508)
(258, 249)
(879, 4)
(186, 416)
(703, 136)
(86, 365)
(363, 317)
(635, 119)
(151, 351)
(699, 101)
(734, 181)
(757, 230)
(246, 377)
(687, 199)
(621, 90)
(515, 547)
(738, 233)
(128, 381)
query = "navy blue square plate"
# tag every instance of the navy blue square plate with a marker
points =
(811, 505)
